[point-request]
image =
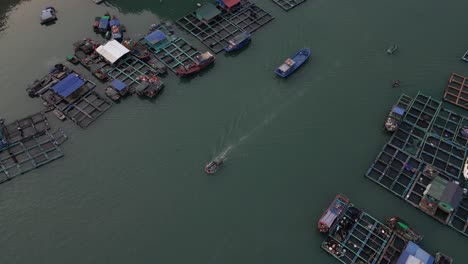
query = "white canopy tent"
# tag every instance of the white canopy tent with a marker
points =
(112, 51)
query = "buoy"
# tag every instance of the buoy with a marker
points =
(198, 4)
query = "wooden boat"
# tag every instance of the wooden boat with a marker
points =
(465, 170)
(392, 49)
(48, 15)
(330, 215)
(403, 229)
(394, 118)
(293, 63)
(201, 61)
(59, 114)
(213, 166)
(238, 42)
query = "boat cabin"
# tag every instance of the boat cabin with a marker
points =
(397, 111)
(239, 38)
(103, 24)
(48, 15)
(228, 4)
(205, 58)
(120, 87)
(286, 65)
(207, 13)
(441, 198)
(71, 87)
(156, 40)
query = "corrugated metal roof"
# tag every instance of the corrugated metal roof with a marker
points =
(112, 51)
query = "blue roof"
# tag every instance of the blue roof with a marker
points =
(155, 37)
(414, 250)
(398, 110)
(68, 85)
(103, 23)
(114, 22)
(118, 85)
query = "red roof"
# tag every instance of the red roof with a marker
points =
(231, 3)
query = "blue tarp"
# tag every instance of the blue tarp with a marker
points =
(68, 85)
(103, 23)
(118, 85)
(114, 22)
(414, 250)
(398, 110)
(155, 37)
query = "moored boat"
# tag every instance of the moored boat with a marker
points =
(293, 63)
(332, 213)
(403, 229)
(392, 49)
(465, 170)
(213, 166)
(48, 15)
(394, 118)
(238, 42)
(59, 114)
(201, 61)
(465, 56)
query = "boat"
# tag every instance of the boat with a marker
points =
(396, 83)
(48, 15)
(115, 30)
(97, 2)
(465, 56)
(201, 61)
(441, 258)
(392, 49)
(150, 86)
(291, 64)
(465, 170)
(213, 166)
(332, 213)
(59, 114)
(238, 42)
(403, 229)
(394, 118)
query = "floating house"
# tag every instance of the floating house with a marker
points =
(116, 90)
(207, 13)
(414, 254)
(112, 51)
(157, 40)
(71, 87)
(228, 4)
(441, 198)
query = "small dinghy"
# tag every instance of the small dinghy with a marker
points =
(465, 170)
(48, 15)
(59, 114)
(213, 166)
(392, 49)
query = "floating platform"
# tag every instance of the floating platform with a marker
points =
(216, 32)
(129, 70)
(357, 237)
(31, 153)
(86, 110)
(25, 128)
(456, 91)
(288, 4)
(176, 54)
(448, 125)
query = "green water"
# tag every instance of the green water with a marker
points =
(131, 189)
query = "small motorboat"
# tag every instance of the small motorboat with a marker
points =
(396, 83)
(48, 15)
(465, 56)
(392, 49)
(465, 170)
(213, 166)
(238, 42)
(201, 61)
(394, 118)
(330, 215)
(293, 63)
(59, 114)
(403, 229)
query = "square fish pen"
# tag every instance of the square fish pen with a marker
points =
(52, 98)
(288, 4)
(217, 32)
(29, 154)
(25, 128)
(456, 91)
(393, 250)
(408, 138)
(362, 242)
(395, 170)
(459, 219)
(448, 125)
(423, 111)
(177, 54)
(86, 110)
(444, 155)
(129, 70)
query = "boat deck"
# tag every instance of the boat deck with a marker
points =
(129, 70)
(216, 33)
(25, 128)
(363, 242)
(288, 4)
(30, 153)
(86, 110)
(456, 91)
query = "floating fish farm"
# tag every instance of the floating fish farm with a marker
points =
(423, 162)
(288, 4)
(456, 91)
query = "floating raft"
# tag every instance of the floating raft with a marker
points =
(25, 128)
(177, 54)
(288, 4)
(215, 29)
(357, 237)
(457, 91)
(29, 154)
(86, 110)
(129, 70)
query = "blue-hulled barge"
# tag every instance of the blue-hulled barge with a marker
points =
(293, 63)
(238, 42)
